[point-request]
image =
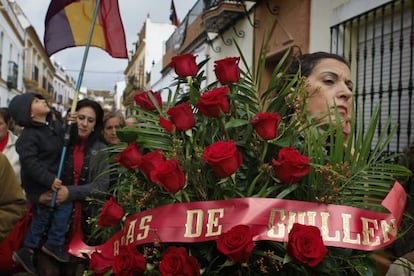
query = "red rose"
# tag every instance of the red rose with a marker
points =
(185, 65)
(182, 116)
(291, 165)
(166, 124)
(175, 261)
(129, 262)
(150, 161)
(111, 213)
(143, 100)
(266, 123)
(212, 102)
(130, 157)
(223, 157)
(227, 70)
(99, 264)
(169, 175)
(305, 244)
(237, 243)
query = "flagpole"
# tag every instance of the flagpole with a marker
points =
(75, 97)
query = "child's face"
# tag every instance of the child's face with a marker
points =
(86, 121)
(39, 109)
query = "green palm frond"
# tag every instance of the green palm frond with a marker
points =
(358, 175)
(147, 133)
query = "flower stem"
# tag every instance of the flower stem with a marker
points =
(223, 123)
(186, 196)
(264, 151)
(253, 184)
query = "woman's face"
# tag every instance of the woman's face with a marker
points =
(330, 88)
(110, 128)
(3, 128)
(86, 121)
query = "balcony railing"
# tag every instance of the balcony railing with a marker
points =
(218, 15)
(379, 45)
(177, 38)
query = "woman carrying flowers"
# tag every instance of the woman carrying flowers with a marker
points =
(200, 169)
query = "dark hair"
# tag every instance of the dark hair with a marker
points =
(8, 119)
(307, 62)
(97, 132)
(407, 159)
(5, 114)
(56, 115)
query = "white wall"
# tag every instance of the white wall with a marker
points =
(245, 43)
(326, 13)
(160, 83)
(13, 53)
(155, 36)
(63, 85)
(119, 91)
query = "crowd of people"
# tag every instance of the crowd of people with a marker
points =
(30, 162)
(30, 182)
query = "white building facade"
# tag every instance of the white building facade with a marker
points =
(63, 89)
(12, 36)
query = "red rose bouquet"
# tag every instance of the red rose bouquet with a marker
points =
(231, 178)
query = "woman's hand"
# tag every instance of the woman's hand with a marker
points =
(62, 195)
(45, 198)
(71, 117)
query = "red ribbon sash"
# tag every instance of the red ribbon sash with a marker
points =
(269, 219)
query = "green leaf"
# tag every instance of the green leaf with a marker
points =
(236, 123)
(287, 191)
(287, 259)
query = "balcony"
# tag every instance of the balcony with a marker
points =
(31, 78)
(191, 23)
(218, 15)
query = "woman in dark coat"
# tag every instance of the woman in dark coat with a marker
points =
(84, 177)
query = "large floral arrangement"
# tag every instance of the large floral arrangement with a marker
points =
(234, 139)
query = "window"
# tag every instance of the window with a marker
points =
(35, 73)
(12, 75)
(377, 44)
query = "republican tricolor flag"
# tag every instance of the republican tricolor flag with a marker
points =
(68, 22)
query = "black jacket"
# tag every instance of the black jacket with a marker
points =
(39, 147)
(93, 182)
(405, 244)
